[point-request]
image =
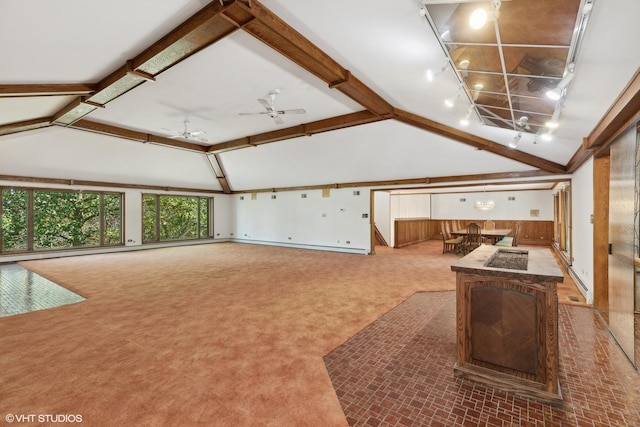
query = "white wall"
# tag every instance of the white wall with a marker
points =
(582, 228)
(382, 215)
(316, 222)
(450, 205)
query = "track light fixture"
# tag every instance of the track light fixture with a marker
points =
(546, 136)
(465, 120)
(431, 74)
(557, 92)
(450, 101)
(480, 16)
(516, 139)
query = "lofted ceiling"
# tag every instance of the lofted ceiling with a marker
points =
(157, 93)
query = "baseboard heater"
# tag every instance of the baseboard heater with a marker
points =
(304, 246)
(577, 279)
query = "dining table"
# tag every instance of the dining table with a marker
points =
(492, 235)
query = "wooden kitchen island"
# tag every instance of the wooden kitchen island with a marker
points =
(507, 320)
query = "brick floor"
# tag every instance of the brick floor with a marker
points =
(398, 371)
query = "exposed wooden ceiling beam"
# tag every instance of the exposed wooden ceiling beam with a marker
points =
(277, 34)
(219, 19)
(459, 180)
(476, 141)
(45, 89)
(332, 123)
(143, 137)
(216, 166)
(204, 28)
(25, 125)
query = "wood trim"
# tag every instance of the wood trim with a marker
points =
(280, 36)
(119, 132)
(214, 161)
(478, 142)
(306, 129)
(15, 127)
(46, 89)
(624, 111)
(421, 181)
(601, 175)
(202, 29)
(579, 157)
(61, 181)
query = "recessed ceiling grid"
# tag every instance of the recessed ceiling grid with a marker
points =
(507, 66)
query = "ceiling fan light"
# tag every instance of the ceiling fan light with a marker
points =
(552, 124)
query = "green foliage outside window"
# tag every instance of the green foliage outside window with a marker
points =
(14, 220)
(50, 219)
(174, 217)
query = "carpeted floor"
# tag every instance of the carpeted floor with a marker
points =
(217, 335)
(398, 371)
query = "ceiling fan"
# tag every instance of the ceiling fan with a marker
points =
(271, 110)
(186, 134)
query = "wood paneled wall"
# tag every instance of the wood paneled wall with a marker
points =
(409, 231)
(531, 232)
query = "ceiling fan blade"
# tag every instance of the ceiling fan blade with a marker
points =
(278, 120)
(294, 111)
(265, 104)
(197, 133)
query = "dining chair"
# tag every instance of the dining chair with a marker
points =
(489, 225)
(509, 240)
(450, 243)
(473, 238)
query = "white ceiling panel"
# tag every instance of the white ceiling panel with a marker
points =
(77, 41)
(22, 109)
(76, 155)
(211, 93)
(379, 151)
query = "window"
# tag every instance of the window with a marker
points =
(38, 219)
(174, 217)
(15, 212)
(562, 220)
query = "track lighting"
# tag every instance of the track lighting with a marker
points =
(431, 75)
(465, 120)
(480, 16)
(557, 92)
(516, 139)
(450, 101)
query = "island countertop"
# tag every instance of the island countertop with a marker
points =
(540, 265)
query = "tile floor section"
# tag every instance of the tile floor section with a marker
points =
(22, 291)
(399, 372)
